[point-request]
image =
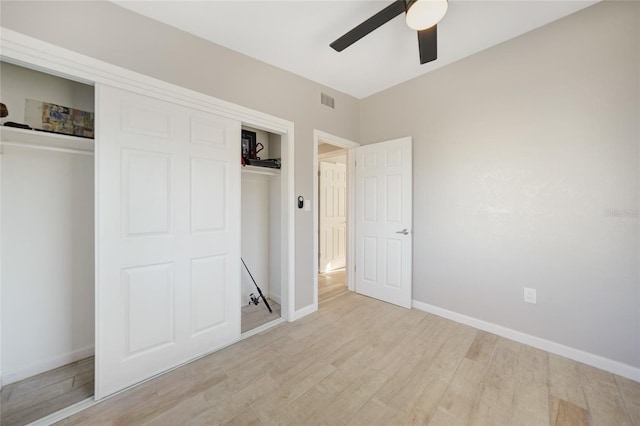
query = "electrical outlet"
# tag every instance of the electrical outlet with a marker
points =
(530, 295)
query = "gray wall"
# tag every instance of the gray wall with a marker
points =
(118, 36)
(526, 175)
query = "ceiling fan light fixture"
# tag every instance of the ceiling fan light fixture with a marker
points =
(423, 14)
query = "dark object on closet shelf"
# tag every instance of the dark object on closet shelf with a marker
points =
(253, 297)
(17, 125)
(272, 163)
(3, 110)
(248, 143)
(253, 154)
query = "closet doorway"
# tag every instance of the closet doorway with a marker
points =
(47, 243)
(333, 181)
(261, 228)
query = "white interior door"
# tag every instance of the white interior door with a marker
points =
(384, 221)
(333, 216)
(168, 263)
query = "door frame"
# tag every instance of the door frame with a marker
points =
(39, 55)
(320, 136)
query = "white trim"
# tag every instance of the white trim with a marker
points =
(23, 50)
(262, 328)
(588, 358)
(332, 154)
(64, 413)
(319, 135)
(351, 219)
(287, 286)
(47, 365)
(307, 310)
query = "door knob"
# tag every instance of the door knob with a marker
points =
(403, 232)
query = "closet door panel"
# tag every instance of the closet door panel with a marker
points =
(146, 193)
(168, 236)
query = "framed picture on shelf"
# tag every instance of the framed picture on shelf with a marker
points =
(248, 143)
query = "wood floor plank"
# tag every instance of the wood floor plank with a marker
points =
(289, 389)
(568, 414)
(305, 408)
(246, 417)
(418, 361)
(531, 398)
(565, 387)
(604, 399)
(406, 384)
(459, 399)
(498, 386)
(630, 391)
(347, 403)
(438, 375)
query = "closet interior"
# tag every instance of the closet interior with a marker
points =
(261, 247)
(47, 243)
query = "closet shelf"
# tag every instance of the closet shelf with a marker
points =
(261, 170)
(12, 136)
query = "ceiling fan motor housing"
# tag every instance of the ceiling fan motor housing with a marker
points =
(424, 14)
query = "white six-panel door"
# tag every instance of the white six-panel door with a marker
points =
(168, 185)
(384, 221)
(333, 216)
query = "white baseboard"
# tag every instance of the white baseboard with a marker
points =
(64, 413)
(261, 328)
(50, 364)
(304, 312)
(615, 367)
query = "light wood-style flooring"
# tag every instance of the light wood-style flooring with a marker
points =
(253, 316)
(331, 285)
(38, 396)
(360, 361)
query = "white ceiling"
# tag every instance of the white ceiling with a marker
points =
(295, 35)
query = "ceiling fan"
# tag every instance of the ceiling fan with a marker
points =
(422, 15)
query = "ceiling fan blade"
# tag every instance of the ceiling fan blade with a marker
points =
(380, 18)
(428, 44)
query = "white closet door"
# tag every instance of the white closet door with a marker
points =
(168, 258)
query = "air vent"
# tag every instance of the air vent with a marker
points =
(327, 100)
